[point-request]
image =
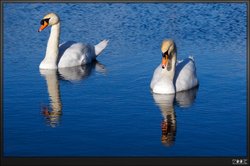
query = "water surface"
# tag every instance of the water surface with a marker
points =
(106, 108)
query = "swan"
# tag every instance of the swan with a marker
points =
(68, 54)
(171, 77)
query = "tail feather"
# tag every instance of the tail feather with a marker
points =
(192, 58)
(101, 46)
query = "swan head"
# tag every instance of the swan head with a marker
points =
(168, 50)
(49, 20)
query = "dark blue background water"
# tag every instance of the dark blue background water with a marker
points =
(107, 109)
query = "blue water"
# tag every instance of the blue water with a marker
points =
(106, 108)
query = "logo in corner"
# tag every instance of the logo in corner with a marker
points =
(239, 162)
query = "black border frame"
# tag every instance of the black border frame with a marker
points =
(110, 161)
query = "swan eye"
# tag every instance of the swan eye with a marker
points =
(44, 20)
(165, 54)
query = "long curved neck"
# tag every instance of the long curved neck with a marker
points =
(50, 60)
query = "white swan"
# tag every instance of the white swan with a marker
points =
(170, 77)
(68, 54)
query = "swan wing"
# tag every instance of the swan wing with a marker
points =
(75, 54)
(185, 75)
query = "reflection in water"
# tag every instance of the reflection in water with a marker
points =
(186, 98)
(53, 112)
(80, 72)
(166, 105)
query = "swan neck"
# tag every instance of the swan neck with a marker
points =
(50, 60)
(53, 42)
(173, 65)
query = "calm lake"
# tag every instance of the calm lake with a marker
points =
(106, 108)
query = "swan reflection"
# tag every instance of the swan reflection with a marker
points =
(80, 72)
(166, 103)
(53, 112)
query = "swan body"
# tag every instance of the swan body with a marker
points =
(68, 54)
(171, 77)
(161, 83)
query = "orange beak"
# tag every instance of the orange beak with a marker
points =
(42, 27)
(164, 62)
